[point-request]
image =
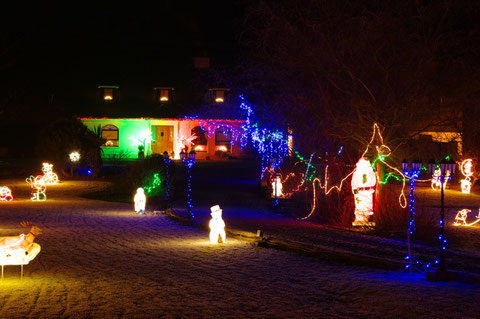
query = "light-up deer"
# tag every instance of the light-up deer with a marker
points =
(20, 250)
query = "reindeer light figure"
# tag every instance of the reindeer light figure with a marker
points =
(19, 250)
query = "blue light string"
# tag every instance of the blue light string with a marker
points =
(167, 193)
(413, 174)
(189, 164)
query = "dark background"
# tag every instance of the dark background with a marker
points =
(58, 55)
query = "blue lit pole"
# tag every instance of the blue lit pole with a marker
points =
(445, 167)
(413, 173)
(189, 162)
(167, 161)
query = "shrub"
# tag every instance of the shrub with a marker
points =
(149, 173)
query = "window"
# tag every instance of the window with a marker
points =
(200, 143)
(223, 139)
(163, 94)
(108, 92)
(218, 95)
(110, 134)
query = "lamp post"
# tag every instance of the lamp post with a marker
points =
(411, 173)
(167, 161)
(189, 161)
(441, 273)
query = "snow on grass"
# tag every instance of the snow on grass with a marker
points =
(99, 259)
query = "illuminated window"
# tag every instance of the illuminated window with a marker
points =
(200, 143)
(163, 94)
(110, 134)
(109, 92)
(223, 139)
(218, 95)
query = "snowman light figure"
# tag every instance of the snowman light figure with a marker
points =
(217, 225)
(140, 201)
(363, 186)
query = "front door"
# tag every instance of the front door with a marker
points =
(163, 139)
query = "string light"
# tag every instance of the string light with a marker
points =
(154, 185)
(383, 152)
(5, 194)
(189, 163)
(167, 161)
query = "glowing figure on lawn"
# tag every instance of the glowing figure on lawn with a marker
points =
(437, 179)
(50, 177)
(364, 180)
(39, 187)
(140, 201)
(466, 169)
(20, 250)
(461, 218)
(217, 225)
(5, 194)
(74, 156)
(277, 187)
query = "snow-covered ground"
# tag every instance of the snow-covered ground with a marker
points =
(99, 260)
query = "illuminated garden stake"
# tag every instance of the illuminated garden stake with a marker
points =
(5, 194)
(217, 225)
(364, 180)
(189, 162)
(140, 201)
(466, 169)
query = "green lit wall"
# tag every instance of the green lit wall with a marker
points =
(126, 128)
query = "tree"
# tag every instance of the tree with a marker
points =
(61, 137)
(343, 65)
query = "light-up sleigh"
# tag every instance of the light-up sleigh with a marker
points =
(19, 250)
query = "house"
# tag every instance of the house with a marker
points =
(211, 139)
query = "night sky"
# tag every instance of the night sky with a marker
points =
(62, 50)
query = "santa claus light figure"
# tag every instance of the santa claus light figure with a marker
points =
(364, 180)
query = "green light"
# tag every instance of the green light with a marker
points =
(153, 187)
